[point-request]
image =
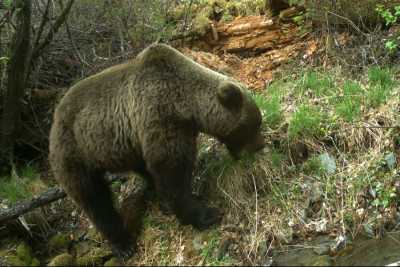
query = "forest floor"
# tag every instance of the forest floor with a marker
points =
(328, 176)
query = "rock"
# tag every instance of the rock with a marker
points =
(390, 160)
(328, 163)
(64, 259)
(113, 262)
(59, 243)
(341, 246)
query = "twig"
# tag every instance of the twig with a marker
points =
(351, 23)
(47, 40)
(256, 222)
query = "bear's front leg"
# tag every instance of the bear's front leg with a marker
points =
(171, 168)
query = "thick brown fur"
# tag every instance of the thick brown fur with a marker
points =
(145, 116)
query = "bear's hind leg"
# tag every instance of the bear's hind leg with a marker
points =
(173, 181)
(133, 206)
(91, 192)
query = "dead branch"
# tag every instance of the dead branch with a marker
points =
(48, 197)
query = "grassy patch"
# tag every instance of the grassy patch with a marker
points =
(209, 255)
(319, 84)
(306, 122)
(381, 84)
(348, 106)
(271, 109)
(19, 186)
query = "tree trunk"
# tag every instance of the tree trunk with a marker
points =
(17, 70)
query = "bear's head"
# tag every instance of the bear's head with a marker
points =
(245, 135)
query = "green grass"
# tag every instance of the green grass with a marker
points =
(306, 122)
(13, 189)
(381, 84)
(381, 77)
(16, 187)
(319, 84)
(271, 109)
(348, 106)
(313, 166)
(277, 158)
(208, 252)
(377, 95)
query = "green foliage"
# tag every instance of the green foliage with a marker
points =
(13, 189)
(7, 3)
(244, 7)
(4, 60)
(319, 84)
(349, 109)
(385, 194)
(348, 106)
(381, 77)
(306, 122)
(201, 22)
(208, 252)
(313, 166)
(270, 108)
(277, 158)
(390, 18)
(381, 85)
(16, 187)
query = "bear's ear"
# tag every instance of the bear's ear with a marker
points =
(230, 95)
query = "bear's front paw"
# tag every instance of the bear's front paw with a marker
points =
(122, 252)
(207, 217)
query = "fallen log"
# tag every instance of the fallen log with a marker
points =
(49, 196)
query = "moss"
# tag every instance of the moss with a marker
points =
(96, 257)
(59, 242)
(15, 261)
(24, 253)
(201, 23)
(35, 262)
(112, 262)
(64, 259)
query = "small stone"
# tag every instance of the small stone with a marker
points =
(391, 160)
(64, 259)
(328, 163)
(342, 246)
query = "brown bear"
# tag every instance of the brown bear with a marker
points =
(145, 116)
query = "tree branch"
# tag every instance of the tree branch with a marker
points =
(52, 32)
(47, 197)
